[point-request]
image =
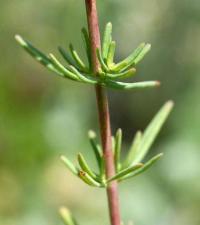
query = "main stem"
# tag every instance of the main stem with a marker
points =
(104, 115)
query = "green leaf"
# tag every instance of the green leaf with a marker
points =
(125, 172)
(62, 69)
(37, 54)
(122, 75)
(86, 79)
(78, 59)
(86, 40)
(66, 56)
(111, 53)
(152, 131)
(97, 151)
(143, 168)
(138, 56)
(141, 55)
(88, 179)
(133, 150)
(107, 40)
(118, 146)
(113, 145)
(67, 216)
(123, 65)
(85, 167)
(101, 61)
(69, 165)
(129, 86)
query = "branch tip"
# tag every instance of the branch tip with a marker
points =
(20, 40)
(170, 104)
(158, 83)
(92, 134)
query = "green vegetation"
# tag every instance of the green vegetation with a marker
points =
(43, 116)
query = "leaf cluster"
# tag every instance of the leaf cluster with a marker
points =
(132, 165)
(76, 69)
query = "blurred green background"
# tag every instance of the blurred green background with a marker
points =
(43, 116)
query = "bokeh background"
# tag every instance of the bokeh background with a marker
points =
(43, 116)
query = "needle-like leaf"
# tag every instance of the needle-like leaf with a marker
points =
(37, 54)
(66, 56)
(152, 131)
(69, 165)
(101, 61)
(85, 167)
(113, 144)
(122, 75)
(133, 150)
(86, 79)
(125, 172)
(77, 59)
(97, 151)
(107, 40)
(130, 59)
(88, 179)
(129, 86)
(111, 53)
(134, 59)
(86, 40)
(62, 69)
(67, 216)
(141, 55)
(143, 168)
(118, 146)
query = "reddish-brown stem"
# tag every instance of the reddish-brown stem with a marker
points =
(104, 115)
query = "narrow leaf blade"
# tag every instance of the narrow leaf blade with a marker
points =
(101, 61)
(87, 45)
(137, 55)
(69, 165)
(111, 53)
(141, 55)
(143, 168)
(83, 78)
(37, 54)
(118, 146)
(62, 69)
(67, 216)
(122, 75)
(97, 151)
(85, 167)
(126, 172)
(66, 56)
(77, 59)
(129, 86)
(133, 150)
(152, 131)
(107, 40)
(130, 59)
(88, 179)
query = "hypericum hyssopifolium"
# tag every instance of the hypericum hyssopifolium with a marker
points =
(108, 75)
(133, 164)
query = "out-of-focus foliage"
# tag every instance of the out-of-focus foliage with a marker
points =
(43, 116)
